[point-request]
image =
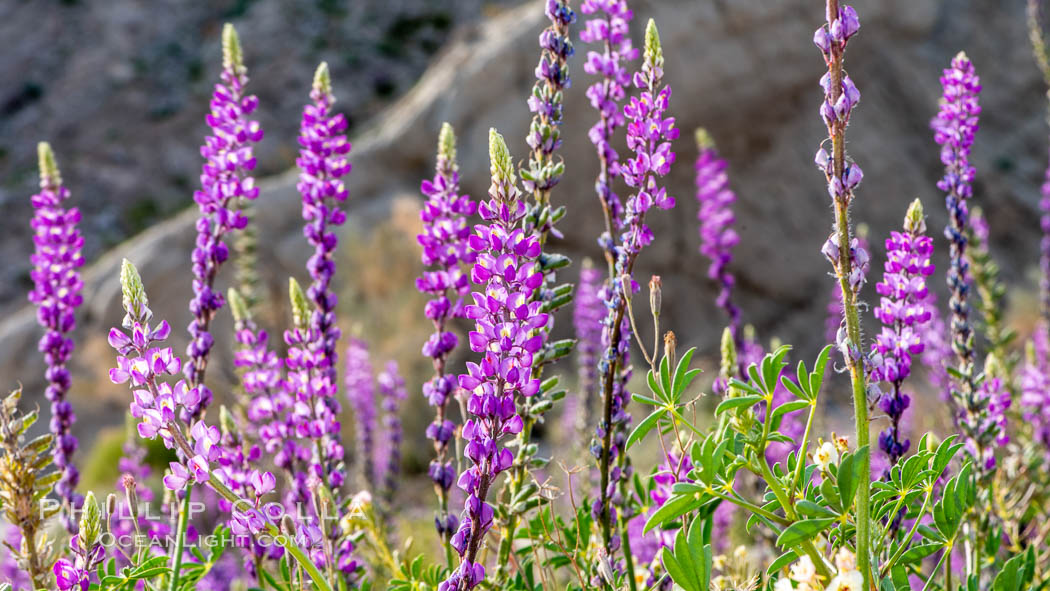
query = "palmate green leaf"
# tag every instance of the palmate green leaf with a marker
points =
(736, 402)
(689, 562)
(643, 428)
(945, 452)
(772, 365)
(810, 509)
(1016, 573)
(683, 376)
(800, 531)
(899, 577)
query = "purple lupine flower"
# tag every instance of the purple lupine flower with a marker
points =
(903, 312)
(844, 252)
(506, 318)
(834, 321)
(314, 415)
(444, 244)
(649, 135)
(10, 572)
(392, 393)
(545, 102)
(322, 163)
(56, 293)
(717, 236)
(610, 29)
(86, 549)
(954, 128)
(225, 182)
(587, 316)
(360, 390)
(1035, 385)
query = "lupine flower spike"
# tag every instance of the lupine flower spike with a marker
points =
(954, 128)
(649, 135)
(86, 548)
(56, 293)
(587, 315)
(360, 391)
(393, 394)
(506, 319)
(444, 245)
(903, 312)
(842, 249)
(322, 163)
(717, 236)
(225, 183)
(610, 30)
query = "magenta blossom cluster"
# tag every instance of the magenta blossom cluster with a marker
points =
(903, 311)
(75, 575)
(587, 315)
(225, 183)
(505, 322)
(444, 245)
(56, 294)
(360, 391)
(610, 29)
(392, 393)
(954, 128)
(717, 236)
(1035, 385)
(322, 163)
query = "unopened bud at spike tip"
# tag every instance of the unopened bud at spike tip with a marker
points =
(728, 350)
(654, 53)
(136, 304)
(232, 58)
(90, 523)
(915, 219)
(323, 79)
(447, 143)
(238, 306)
(704, 141)
(300, 305)
(49, 173)
(501, 163)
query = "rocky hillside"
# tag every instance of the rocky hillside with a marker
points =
(746, 69)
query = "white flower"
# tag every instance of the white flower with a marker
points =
(826, 455)
(845, 561)
(783, 585)
(803, 571)
(847, 581)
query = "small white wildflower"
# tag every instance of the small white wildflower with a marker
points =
(847, 581)
(845, 561)
(803, 571)
(783, 585)
(826, 455)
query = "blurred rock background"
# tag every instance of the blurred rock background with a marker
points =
(121, 87)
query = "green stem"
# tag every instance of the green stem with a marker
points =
(911, 533)
(180, 540)
(625, 543)
(801, 455)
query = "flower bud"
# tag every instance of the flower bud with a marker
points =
(49, 174)
(447, 144)
(655, 295)
(300, 305)
(238, 306)
(729, 361)
(501, 164)
(323, 79)
(232, 57)
(914, 220)
(90, 523)
(136, 304)
(670, 344)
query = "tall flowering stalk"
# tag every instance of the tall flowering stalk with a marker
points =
(360, 390)
(505, 334)
(144, 364)
(610, 29)
(903, 313)
(444, 245)
(587, 315)
(717, 236)
(314, 419)
(322, 163)
(1042, 58)
(954, 128)
(543, 171)
(56, 293)
(649, 135)
(842, 248)
(225, 183)
(392, 392)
